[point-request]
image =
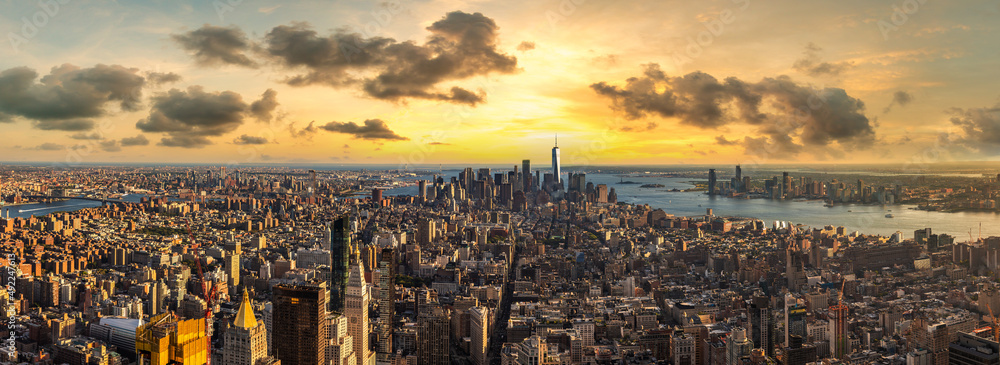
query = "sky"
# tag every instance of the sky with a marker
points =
(412, 82)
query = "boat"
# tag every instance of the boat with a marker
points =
(888, 215)
(850, 211)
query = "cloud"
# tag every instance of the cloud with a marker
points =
(460, 46)
(439, 144)
(213, 45)
(110, 146)
(50, 147)
(373, 129)
(189, 117)
(262, 109)
(980, 128)
(901, 98)
(722, 141)
(69, 125)
(139, 140)
(813, 65)
(160, 78)
(248, 139)
(796, 115)
(526, 46)
(306, 132)
(185, 141)
(268, 9)
(84, 136)
(68, 94)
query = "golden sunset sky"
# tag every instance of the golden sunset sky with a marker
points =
(492, 82)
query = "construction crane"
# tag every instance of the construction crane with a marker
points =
(840, 326)
(209, 297)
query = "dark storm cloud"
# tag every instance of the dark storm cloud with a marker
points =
(69, 125)
(212, 45)
(981, 128)
(190, 116)
(68, 93)
(461, 46)
(799, 116)
(248, 139)
(139, 140)
(263, 109)
(372, 129)
(813, 65)
(901, 98)
(160, 78)
(526, 46)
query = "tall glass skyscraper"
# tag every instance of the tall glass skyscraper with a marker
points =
(556, 170)
(340, 258)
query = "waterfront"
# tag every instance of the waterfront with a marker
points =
(869, 219)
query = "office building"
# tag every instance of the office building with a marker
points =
(300, 323)
(526, 174)
(356, 309)
(762, 324)
(556, 168)
(386, 302)
(479, 331)
(797, 353)
(973, 350)
(340, 249)
(245, 342)
(433, 336)
(711, 181)
(738, 346)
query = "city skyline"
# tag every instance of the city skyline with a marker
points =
(104, 82)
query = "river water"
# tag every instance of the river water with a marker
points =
(868, 219)
(40, 209)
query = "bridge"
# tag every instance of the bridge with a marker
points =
(53, 198)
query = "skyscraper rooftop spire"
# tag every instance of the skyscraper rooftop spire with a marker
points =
(245, 317)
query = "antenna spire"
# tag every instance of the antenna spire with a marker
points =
(557, 139)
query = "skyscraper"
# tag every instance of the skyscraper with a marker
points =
(386, 302)
(556, 169)
(300, 323)
(340, 248)
(246, 339)
(737, 346)
(762, 324)
(795, 319)
(356, 309)
(479, 332)
(526, 174)
(232, 261)
(711, 181)
(433, 336)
